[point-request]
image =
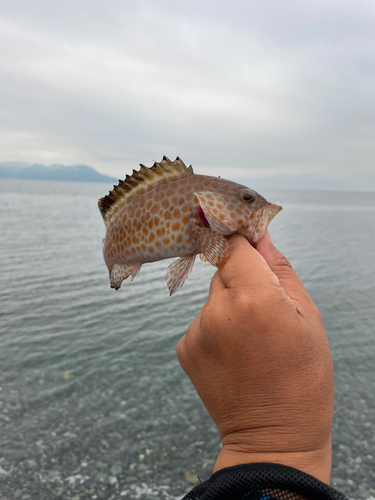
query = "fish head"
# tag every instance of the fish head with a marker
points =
(236, 209)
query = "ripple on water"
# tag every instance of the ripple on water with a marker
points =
(91, 386)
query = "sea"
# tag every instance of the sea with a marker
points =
(93, 401)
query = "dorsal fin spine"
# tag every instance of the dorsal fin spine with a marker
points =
(139, 182)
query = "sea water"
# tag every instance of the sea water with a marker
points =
(93, 402)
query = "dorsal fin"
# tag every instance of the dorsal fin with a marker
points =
(139, 182)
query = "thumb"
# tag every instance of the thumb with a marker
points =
(282, 268)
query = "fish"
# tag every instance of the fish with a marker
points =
(168, 211)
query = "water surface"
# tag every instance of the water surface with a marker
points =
(93, 401)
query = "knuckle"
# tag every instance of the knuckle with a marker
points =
(244, 302)
(181, 350)
(282, 262)
(316, 313)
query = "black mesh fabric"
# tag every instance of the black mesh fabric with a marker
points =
(263, 481)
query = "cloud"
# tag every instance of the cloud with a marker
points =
(243, 89)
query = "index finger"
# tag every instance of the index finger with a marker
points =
(256, 269)
(280, 266)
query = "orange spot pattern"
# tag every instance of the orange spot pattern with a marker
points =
(155, 224)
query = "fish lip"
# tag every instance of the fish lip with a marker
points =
(272, 211)
(252, 233)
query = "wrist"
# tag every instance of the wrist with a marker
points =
(316, 462)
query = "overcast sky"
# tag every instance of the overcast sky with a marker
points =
(279, 92)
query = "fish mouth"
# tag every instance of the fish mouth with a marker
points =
(260, 223)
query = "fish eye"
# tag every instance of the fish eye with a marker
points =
(247, 197)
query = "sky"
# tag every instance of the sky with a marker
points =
(280, 94)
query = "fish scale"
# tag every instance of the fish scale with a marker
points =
(168, 211)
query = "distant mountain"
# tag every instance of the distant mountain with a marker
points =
(35, 171)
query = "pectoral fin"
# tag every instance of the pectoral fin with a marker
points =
(214, 247)
(178, 272)
(119, 273)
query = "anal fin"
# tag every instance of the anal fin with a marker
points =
(120, 273)
(178, 272)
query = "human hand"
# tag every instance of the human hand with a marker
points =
(259, 359)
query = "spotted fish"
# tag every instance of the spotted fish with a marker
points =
(168, 211)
